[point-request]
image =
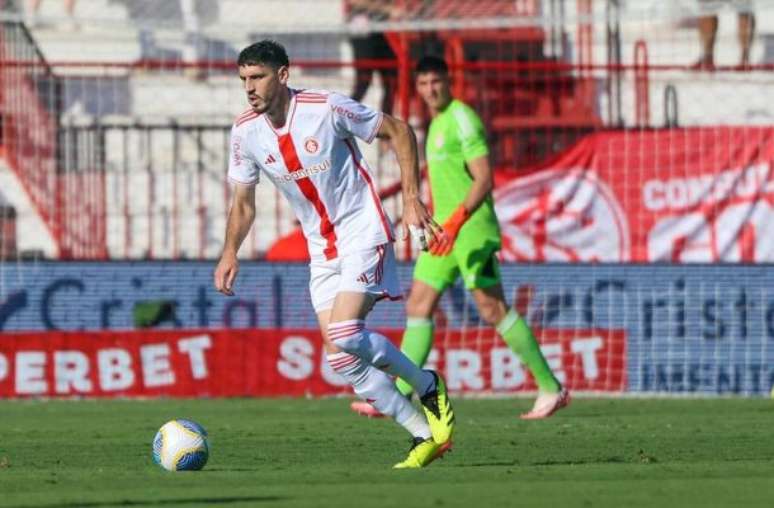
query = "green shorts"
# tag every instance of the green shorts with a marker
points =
(476, 261)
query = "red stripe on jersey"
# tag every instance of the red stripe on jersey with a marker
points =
(293, 163)
(374, 195)
(243, 119)
(245, 113)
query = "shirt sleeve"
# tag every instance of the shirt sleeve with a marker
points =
(241, 168)
(351, 118)
(471, 133)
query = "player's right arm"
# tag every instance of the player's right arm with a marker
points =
(244, 173)
(240, 219)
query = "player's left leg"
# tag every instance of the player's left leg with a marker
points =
(481, 273)
(366, 380)
(372, 384)
(365, 358)
(367, 277)
(517, 334)
(432, 275)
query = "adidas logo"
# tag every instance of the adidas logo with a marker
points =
(270, 159)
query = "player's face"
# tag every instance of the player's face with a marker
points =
(263, 85)
(434, 89)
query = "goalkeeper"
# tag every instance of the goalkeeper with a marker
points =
(461, 183)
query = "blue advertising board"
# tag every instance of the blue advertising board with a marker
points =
(689, 328)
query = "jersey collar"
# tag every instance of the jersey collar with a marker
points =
(291, 113)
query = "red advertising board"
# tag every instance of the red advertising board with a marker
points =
(189, 363)
(677, 195)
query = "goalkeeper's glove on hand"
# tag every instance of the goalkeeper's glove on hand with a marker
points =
(443, 243)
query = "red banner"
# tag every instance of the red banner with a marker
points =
(677, 195)
(188, 363)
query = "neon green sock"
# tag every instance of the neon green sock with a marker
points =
(517, 334)
(417, 343)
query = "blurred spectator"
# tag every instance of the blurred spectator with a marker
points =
(34, 7)
(708, 29)
(195, 46)
(192, 16)
(371, 46)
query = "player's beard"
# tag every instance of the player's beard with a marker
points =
(268, 100)
(260, 106)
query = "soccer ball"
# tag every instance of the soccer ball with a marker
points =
(181, 445)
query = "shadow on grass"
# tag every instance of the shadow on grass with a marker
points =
(578, 462)
(159, 502)
(488, 464)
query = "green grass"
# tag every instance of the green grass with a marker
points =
(597, 453)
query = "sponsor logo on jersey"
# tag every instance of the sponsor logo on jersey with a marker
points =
(311, 145)
(349, 115)
(270, 159)
(236, 150)
(304, 173)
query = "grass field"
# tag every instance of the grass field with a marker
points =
(597, 453)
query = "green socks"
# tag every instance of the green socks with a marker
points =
(417, 343)
(517, 334)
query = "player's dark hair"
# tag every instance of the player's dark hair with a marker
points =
(266, 52)
(431, 63)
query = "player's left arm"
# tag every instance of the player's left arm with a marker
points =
(404, 143)
(483, 182)
(350, 118)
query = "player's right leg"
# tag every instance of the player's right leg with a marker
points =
(418, 335)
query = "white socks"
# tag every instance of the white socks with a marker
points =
(352, 337)
(378, 389)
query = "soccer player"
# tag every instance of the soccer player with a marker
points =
(461, 184)
(304, 142)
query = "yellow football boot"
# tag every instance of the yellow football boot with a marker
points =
(438, 410)
(422, 453)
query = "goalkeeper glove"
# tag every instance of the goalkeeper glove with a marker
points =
(442, 244)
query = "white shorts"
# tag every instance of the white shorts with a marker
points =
(373, 271)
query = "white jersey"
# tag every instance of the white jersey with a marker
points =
(315, 162)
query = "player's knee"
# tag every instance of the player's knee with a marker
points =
(491, 312)
(351, 337)
(347, 335)
(417, 306)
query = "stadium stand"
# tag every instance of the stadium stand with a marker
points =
(145, 122)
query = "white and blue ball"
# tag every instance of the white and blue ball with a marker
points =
(181, 445)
